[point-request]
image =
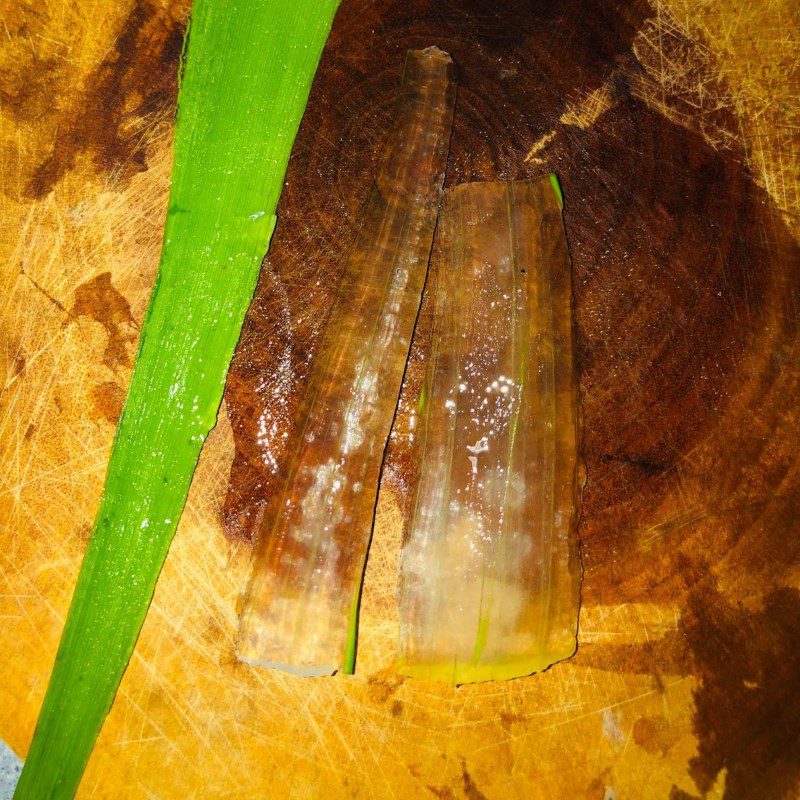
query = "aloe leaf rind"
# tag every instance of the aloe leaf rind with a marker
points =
(245, 81)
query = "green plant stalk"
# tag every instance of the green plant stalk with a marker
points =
(247, 72)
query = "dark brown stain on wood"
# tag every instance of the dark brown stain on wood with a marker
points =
(106, 122)
(107, 399)
(747, 663)
(99, 300)
(27, 94)
(442, 792)
(471, 790)
(684, 303)
(686, 288)
(396, 708)
(653, 734)
(680, 794)
(18, 364)
(748, 711)
(383, 685)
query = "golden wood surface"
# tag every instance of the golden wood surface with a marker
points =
(682, 684)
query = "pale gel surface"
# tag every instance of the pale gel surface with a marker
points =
(301, 607)
(490, 571)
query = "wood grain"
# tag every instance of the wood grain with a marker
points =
(674, 129)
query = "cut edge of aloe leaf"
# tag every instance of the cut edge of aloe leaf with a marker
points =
(556, 184)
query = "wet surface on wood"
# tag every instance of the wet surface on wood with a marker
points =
(301, 607)
(489, 571)
(673, 126)
(511, 86)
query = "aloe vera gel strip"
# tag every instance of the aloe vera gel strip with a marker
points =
(489, 569)
(301, 607)
(247, 71)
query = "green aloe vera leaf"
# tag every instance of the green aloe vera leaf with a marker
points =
(247, 70)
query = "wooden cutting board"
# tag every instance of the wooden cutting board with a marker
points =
(675, 130)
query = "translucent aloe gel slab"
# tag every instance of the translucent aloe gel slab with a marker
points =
(301, 607)
(489, 569)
